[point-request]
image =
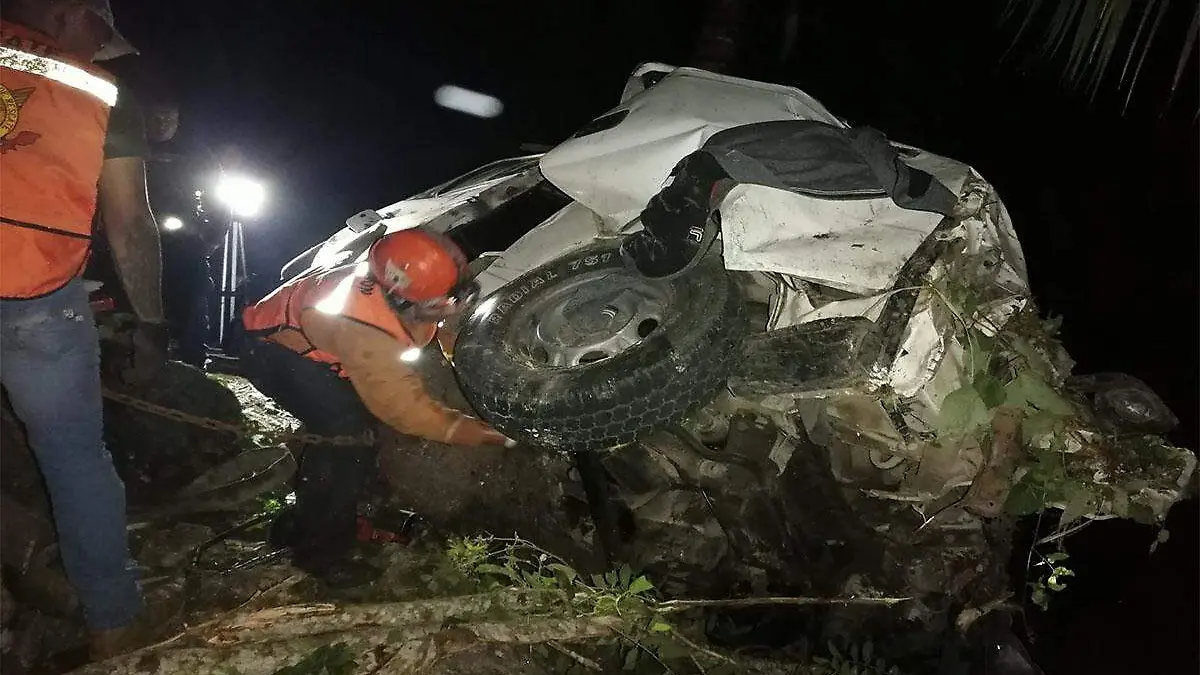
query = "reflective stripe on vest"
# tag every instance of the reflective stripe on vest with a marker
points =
(54, 112)
(346, 291)
(63, 73)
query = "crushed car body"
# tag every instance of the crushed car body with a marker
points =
(849, 388)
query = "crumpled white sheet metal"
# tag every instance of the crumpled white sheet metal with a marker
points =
(614, 172)
(574, 227)
(851, 245)
(986, 229)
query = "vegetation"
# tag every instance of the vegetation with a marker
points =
(1095, 41)
(1064, 460)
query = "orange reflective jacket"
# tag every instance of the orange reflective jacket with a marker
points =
(53, 118)
(347, 292)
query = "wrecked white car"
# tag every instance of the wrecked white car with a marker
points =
(813, 352)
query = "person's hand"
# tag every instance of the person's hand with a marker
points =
(150, 342)
(493, 437)
(471, 431)
(489, 436)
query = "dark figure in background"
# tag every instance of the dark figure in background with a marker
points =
(188, 287)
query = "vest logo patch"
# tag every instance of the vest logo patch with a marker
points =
(11, 102)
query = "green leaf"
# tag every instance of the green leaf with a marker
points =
(978, 357)
(854, 652)
(624, 574)
(631, 658)
(1033, 359)
(640, 585)
(1025, 499)
(660, 627)
(1078, 505)
(1037, 425)
(962, 412)
(1029, 390)
(1038, 596)
(564, 572)
(489, 568)
(1057, 556)
(990, 390)
(833, 651)
(867, 650)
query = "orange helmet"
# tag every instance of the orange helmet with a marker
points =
(423, 269)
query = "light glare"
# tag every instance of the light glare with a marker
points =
(243, 196)
(467, 101)
(171, 223)
(410, 355)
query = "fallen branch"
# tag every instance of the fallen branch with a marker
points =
(574, 656)
(299, 620)
(257, 600)
(720, 658)
(410, 649)
(672, 606)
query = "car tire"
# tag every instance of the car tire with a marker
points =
(680, 365)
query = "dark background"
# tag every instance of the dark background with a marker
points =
(331, 103)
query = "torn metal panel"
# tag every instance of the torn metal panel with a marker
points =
(615, 170)
(460, 202)
(920, 353)
(853, 245)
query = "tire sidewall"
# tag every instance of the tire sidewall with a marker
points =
(506, 389)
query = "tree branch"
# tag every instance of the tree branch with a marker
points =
(672, 606)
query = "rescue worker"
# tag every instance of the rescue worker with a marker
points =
(69, 148)
(330, 347)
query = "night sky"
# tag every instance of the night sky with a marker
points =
(332, 104)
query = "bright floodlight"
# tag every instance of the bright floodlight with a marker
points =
(467, 101)
(243, 196)
(410, 355)
(171, 223)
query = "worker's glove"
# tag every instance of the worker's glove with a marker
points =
(150, 343)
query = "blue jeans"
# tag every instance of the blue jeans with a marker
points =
(50, 365)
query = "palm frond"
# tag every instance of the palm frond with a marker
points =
(1188, 45)
(1145, 49)
(1087, 38)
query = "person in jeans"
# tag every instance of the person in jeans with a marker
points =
(71, 147)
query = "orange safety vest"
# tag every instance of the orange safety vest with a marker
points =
(349, 292)
(53, 119)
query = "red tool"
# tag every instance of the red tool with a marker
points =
(369, 533)
(102, 303)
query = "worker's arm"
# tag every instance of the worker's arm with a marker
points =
(132, 234)
(125, 209)
(390, 389)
